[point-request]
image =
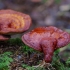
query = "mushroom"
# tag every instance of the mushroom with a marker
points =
(3, 38)
(13, 22)
(46, 40)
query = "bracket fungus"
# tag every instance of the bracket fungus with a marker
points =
(13, 22)
(46, 40)
(3, 38)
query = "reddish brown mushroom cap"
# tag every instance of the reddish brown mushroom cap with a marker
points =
(3, 38)
(13, 22)
(46, 39)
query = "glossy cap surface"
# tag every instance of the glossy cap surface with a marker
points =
(13, 22)
(33, 39)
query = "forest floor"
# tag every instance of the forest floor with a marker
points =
(14, 55)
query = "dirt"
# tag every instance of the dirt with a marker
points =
(21, 57)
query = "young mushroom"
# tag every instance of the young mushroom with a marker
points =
(3, 38)
(46, 40)
(13, 22)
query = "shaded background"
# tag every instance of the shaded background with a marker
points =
(42, 12)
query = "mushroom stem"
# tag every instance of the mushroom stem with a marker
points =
(48, 46)
(46, 40)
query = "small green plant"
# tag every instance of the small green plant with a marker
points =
(57, 1)
(44, 1)
(5, 60)
(68, 62)
(19, 42)
(16, 41)
(57, 64)
(27, 49)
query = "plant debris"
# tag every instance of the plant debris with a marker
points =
(17, 56)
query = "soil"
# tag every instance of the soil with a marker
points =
(20, 57)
